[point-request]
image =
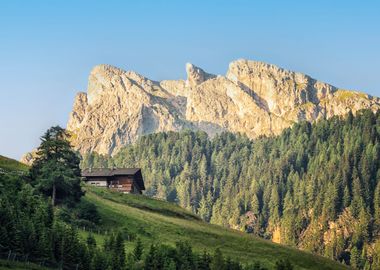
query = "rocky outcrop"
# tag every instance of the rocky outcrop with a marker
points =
(196, 75)
(254, 98)
(29, 157)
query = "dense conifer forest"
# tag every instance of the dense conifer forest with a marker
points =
(315, 187)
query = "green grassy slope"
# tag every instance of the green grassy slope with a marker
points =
(162, 222)
(8, 164)
(7, 265)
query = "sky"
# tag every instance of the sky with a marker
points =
(48, 48)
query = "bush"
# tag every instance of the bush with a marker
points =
(87, 211)
(127, 234)
(284, 265)
(84, 224)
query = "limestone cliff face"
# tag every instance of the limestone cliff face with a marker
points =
(253, 98)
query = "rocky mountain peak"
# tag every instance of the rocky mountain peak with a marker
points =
(79, 111)
(100, 80)
(196, 75)
(254, 98)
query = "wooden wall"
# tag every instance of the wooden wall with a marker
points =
(124, 184)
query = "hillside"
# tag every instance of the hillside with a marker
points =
(8, 164)
(7, 265)
(161, 222)
(314, 187)
(27, 221)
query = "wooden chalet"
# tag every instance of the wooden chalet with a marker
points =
(127, 180)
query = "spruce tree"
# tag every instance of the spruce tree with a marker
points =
(138, 250)
(56, 169)
(217, 261)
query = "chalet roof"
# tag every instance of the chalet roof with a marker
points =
(103, 172)
(109, 172)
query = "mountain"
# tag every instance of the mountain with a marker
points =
(253, 98)
(314, 187)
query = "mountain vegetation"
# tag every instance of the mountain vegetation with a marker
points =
(55, 171)
(159, 223)
(135, 232)
(314, 187)
(128, 231)
(8, 164)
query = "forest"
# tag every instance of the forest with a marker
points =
(315, 187)
(30, 231)
(42, 210)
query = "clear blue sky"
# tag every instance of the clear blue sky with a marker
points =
(47, 48)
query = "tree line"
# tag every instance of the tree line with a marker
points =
(315, 187)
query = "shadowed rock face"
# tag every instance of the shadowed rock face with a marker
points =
(253, 98)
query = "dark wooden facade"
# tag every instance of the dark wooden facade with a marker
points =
(127, 180)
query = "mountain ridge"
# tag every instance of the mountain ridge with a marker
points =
(254, 98)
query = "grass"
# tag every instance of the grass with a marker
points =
(8, 265)
(157, 221)
(8, 164)
(346, 94)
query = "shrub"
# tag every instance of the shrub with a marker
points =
(87, 211)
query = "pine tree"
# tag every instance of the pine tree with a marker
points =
(376, 204)
(217, 261)
(99, 261)
(56, 169)
(138, 250)
(151, 262)
(91, 242)
(184, 255)
(355, 258)
(204, 261)
(255, 204)
(274, 205)
(119, 251)
(346, 197)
